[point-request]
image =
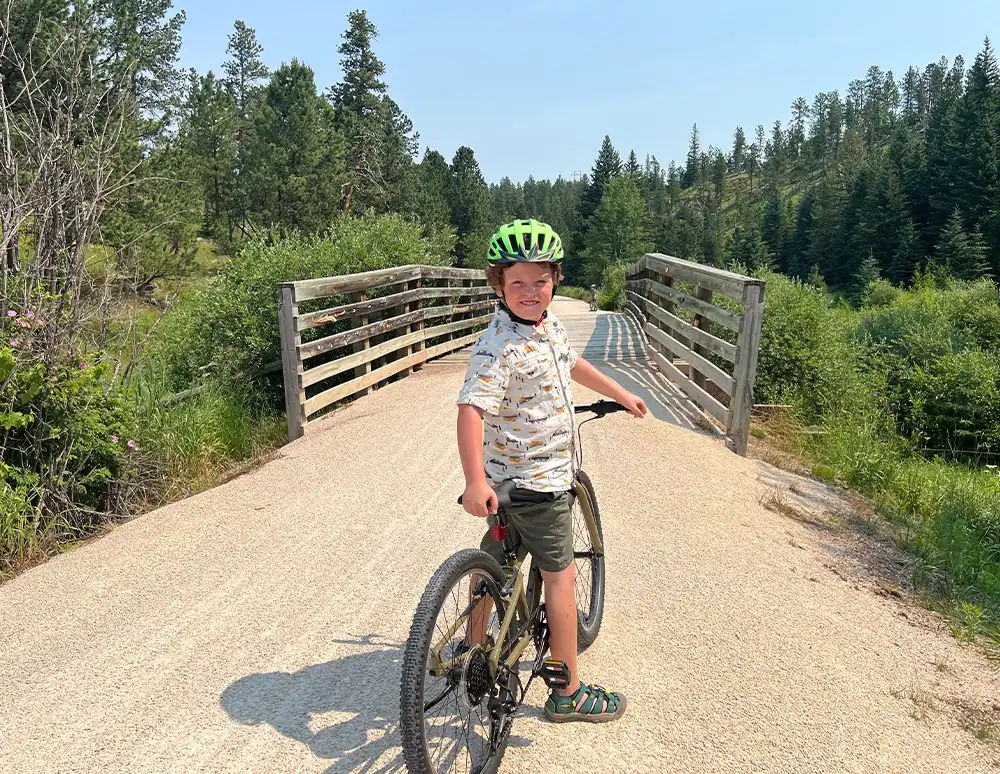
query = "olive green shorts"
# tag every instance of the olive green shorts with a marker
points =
(544, 521)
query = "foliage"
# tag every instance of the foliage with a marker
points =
(804, 357)
(231, 328)
(617, 232)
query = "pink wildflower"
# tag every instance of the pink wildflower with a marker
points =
(82, 365)
(30, 315)
(131, 444)
(114, 439)
(11, 313)
(24, 323)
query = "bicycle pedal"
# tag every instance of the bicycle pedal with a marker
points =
(554, 673)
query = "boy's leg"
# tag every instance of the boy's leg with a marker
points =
(560, 609)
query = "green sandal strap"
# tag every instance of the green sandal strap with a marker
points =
(598, 701)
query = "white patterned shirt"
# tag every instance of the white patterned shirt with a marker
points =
(519, 375)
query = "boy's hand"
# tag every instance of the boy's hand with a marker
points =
(635, 405)
(480, 499)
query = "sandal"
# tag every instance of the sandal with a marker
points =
(599, 706)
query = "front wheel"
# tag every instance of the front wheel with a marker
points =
(588, 559)
(449, 718)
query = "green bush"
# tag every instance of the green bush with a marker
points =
(956, 405)
(938, 352)
(611, 294)
(231, 328)
(804, 358)
(64, 436)
(581, 294)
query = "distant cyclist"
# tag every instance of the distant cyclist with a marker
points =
(593, 298)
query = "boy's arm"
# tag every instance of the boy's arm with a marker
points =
(584, 373)
(479, 498)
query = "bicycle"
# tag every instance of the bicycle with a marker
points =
(483, 678)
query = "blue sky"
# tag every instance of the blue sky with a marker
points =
(533, 87)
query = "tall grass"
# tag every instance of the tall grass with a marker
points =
(865, 376)
(197, 440)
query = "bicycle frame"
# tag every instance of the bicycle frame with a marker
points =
(514, 590)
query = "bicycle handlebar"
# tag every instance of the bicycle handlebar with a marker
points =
(601, 408)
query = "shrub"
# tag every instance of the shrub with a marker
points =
(611, 294)
(804, 358)
(64, 433)
(231, 328)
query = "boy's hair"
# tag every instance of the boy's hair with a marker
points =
(494, 274)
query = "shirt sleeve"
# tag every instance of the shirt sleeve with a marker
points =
(486, 381)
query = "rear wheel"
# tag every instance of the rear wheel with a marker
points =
(450, 717)
(588, 564)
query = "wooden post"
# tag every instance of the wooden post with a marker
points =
(745, 368)
(418, 326)
(291, 363)
(356, 322)
(700, 322)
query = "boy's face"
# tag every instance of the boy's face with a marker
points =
(528, 288)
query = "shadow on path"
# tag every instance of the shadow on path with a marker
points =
(345, 711)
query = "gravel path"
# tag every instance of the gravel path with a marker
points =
(258, 627)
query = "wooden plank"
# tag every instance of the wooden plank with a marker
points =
(745, 369)
(336, 313)
(324, 399)
(348, 283)
(345, 338)
(416, 339)
(715, 314)
(450, 272)
(410, 296)
(291, 363)
(714, 344)
(692, 390)
(725, 282)
(698, 363)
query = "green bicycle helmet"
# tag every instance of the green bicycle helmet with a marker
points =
(525, 240)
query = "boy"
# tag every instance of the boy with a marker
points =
(519, 386)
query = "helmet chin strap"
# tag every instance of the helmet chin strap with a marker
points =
(522, 320)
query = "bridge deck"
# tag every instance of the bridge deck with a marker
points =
(258, 627)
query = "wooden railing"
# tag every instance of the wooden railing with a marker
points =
(712, 356)
(385, 325)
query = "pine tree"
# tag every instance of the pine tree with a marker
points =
(468, 195)
(739, 150)
(607, 166)
(692, 171)
(245, 76)
(296, 155)
(245, 72)
(977, 126)
(380, 141)
(908, 255)
(964, 254)
(208, 134)
(433, 183)
(750, 252)
(618, 232)
(867, 273)
(632, 167)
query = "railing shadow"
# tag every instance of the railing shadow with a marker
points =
(352, 703)
(617, 350)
